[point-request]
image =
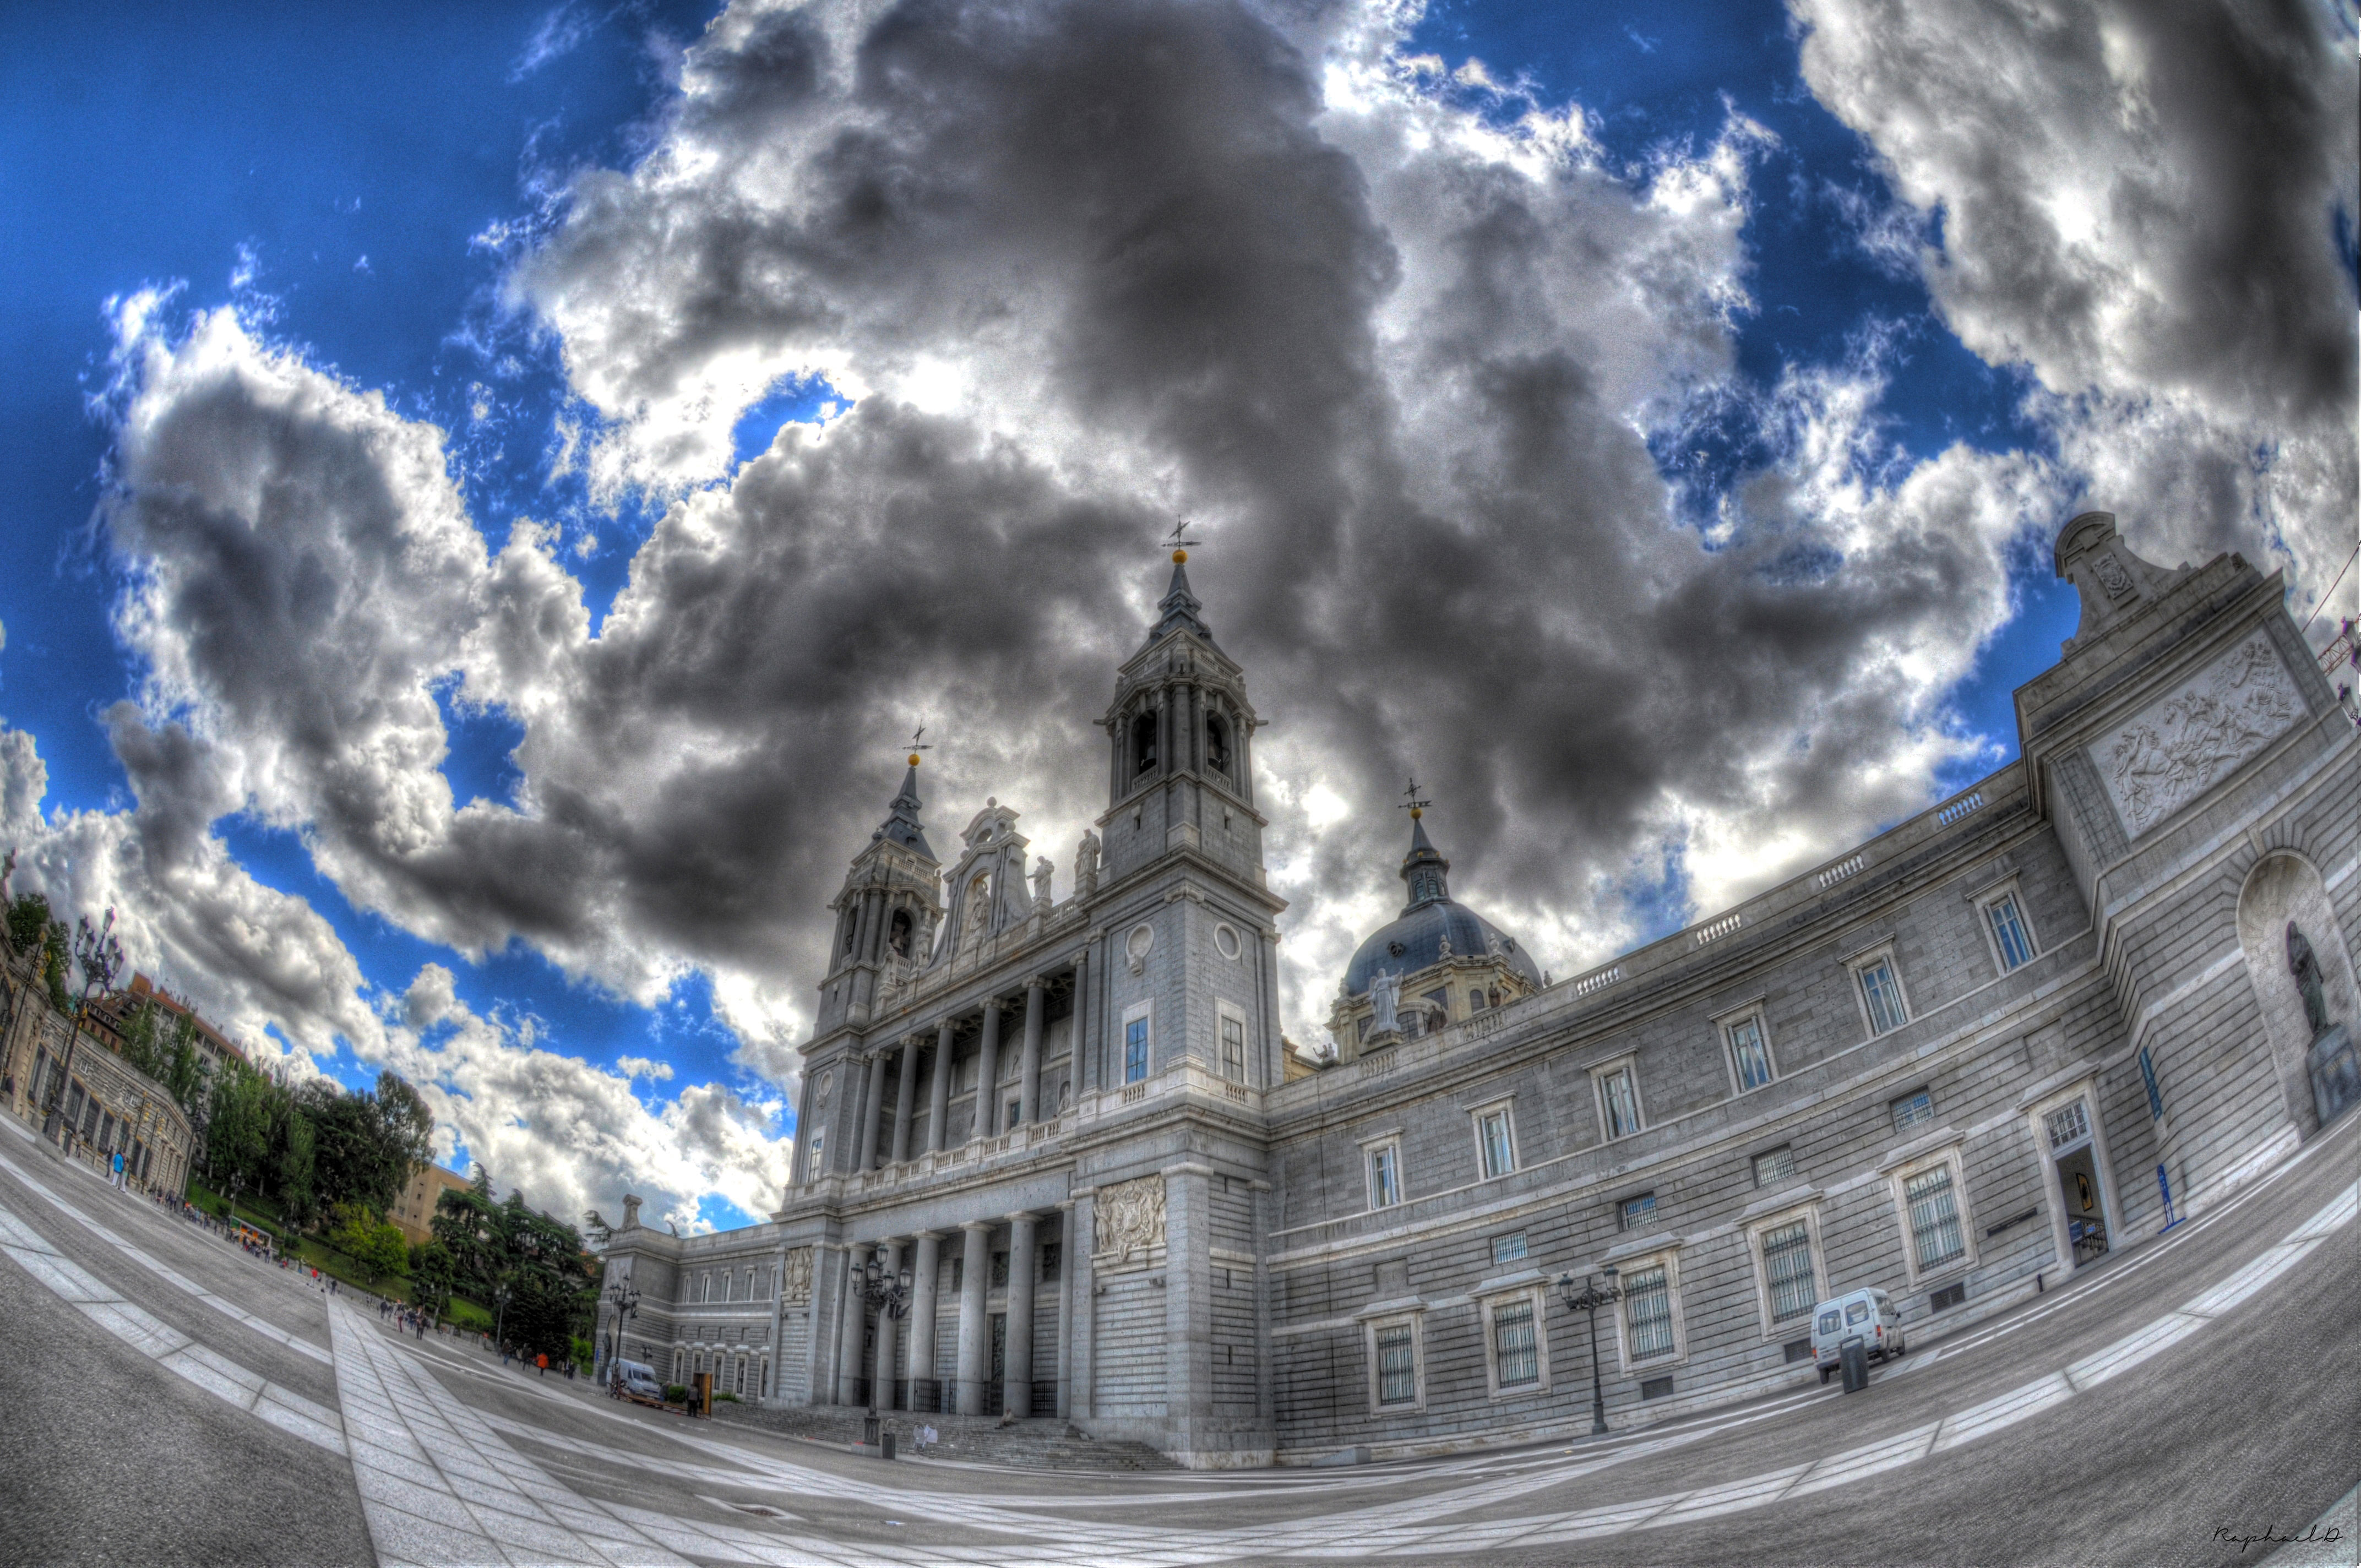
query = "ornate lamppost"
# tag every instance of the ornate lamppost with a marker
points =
(625, 1300)
(1589, 1300)
(499, 1316)
(99, 957)
(890, 1295)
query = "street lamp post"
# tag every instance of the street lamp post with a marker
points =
(625, 1300)
(890, 1294)
(1589, 1300)
(99, 956)
(499, 1316)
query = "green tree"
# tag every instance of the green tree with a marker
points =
(185, 1076)
(143, 1046)
(369, 1141)
(238, 1128)
(28, 921)
(291, 1161)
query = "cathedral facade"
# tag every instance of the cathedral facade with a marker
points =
(1055, 1158)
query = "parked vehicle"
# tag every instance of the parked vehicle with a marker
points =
(1869, 1314)
(636, 1381)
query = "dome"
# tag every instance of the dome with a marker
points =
(1415, 940)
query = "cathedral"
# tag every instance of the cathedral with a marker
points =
(1055, 1160)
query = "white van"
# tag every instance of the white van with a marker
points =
(1871, 1314)
(636, 1381)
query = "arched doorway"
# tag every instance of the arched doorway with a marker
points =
(2283, 887)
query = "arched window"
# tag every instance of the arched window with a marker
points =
(851, 926)
(1143, 742)
(898, 934)
(1217, 744)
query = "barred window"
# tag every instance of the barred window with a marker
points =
(2009, 934)
(1648, 1313)
(1787, 1265)
(1750, 1054)
(1633, 1213)
(1622, 1104)
(1512, 1344)
(1882, 993)
(1776, 1166)
(1934, 1217)
(2068, 1124)
(1397, 1366)
(1913, 1109)
(1508, 1248)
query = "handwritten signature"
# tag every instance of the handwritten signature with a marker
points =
(2270, 1537)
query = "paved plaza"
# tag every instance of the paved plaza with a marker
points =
(172, 1399)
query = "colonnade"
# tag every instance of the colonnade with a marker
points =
(863, 1365)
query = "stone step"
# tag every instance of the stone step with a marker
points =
(1040, 1443)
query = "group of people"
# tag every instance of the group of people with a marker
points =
(408, 1319)
(539, 1360)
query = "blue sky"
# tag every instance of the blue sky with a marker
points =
(391, 205)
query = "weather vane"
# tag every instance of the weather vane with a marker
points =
(917, 745)
(1414, 806)
(1179, 540)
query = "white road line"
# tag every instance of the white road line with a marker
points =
(165, 1271)
(167, 1346)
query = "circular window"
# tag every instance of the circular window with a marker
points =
(1136, 946)
(1225, 939)
(1396, 948)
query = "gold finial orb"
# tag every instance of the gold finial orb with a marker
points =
(914, 759)
(1415, 813)
(1179, 557)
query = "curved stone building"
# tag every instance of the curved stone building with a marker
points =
(2006, 1040)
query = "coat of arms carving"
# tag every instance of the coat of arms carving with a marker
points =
(1129, 1219)
(2178, 748)
(795, 1276)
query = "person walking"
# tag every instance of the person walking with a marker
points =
(541, 1361)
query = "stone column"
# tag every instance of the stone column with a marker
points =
(903, 1092)
(1065, 1309)
(850, 1312)
(1076, 1366)
(880, 1373)
(939, 1090)
(1022, 1244)
(987, 1074)
(1188, 1303)
(862, 920)
(1079, 1047)
(799, 1174)
(922, 1323)
(1028, 1066)
(872, 1100)
(975, 1334)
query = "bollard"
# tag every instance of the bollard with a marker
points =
(1855, 1353)
(885, 1446)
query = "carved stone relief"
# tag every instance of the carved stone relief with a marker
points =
(2112, 575)
(1129, 1220)
(795, 1276)
(2179, 746)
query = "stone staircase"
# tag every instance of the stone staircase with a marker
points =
(1041, 1443)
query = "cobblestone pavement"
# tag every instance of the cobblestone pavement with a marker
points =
(171, 1399)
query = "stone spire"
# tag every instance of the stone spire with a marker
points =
(1424, 869)
(901, 825)
(1178, 606)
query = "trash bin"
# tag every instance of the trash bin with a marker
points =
(1855, 1355)
(885, 1444)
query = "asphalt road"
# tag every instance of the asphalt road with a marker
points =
(2098, 1424)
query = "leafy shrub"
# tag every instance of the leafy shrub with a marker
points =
(676, 1395)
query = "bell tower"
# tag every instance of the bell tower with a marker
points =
(886, 913)
(1180, 738)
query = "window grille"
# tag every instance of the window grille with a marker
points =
(1397, 1366)
(1234, 1050)
(1135, 1050)
(1913, 1109)
(1053, 1257)
(1787, 1265)
(2068, 1124)
(999, 1270)
(1500, 1158)
(1883, 994)
(1750, 1054)
(1934, 1217)
(1776, 1166)
(1512, 1344)
(1622, 1105)
(2009, 934)
(1635, 1211)
(1648, 1313)
(1656, 1388)
(1508, 1249)
(1385, 1178)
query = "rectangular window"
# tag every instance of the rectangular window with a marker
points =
(2008, 931)
(1913, 1109)
(2068, 1124)
(1234, 1050)
(1776, 1166)
(1622, 1104)
(1492, 1133)
(1648, 1313)
(1508, 1249)
(1949, 1297)
(1749, 1055)
(1474, 1002)
(1385, 1177)
(1397, 1366)
(958, 1272)
(1883, 993)
(818, 1150)
(1053, 1257)
(1633, 1213)
(1135, 1050)
(1787, 1266)
(1656, 1388)
(1512, 1345)
(1000, 1271)
(1934, 1218)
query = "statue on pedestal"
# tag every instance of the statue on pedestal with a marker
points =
(1086, 865)
(1385, 996)
(2335, 1070)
